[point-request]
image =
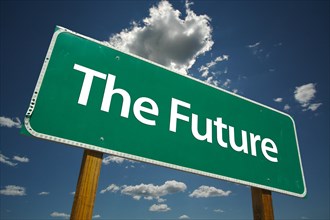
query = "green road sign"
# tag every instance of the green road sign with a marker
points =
(93, 96)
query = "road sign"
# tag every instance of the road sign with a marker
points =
(93, 96)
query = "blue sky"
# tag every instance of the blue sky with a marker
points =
(276, 53)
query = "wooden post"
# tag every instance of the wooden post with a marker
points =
(262, 204)
(84, 198)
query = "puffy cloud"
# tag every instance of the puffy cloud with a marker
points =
(12, 190)
(96, 216)
(21, 159)
(60, 215)
(43, 193)
(8, 122)
(5, 160)
(150, 191)
(218, 210)
(159, 208)
(167, 39)
(208, 191)
(110, 188)
(304, 95)
(278, 99)
(184, 217)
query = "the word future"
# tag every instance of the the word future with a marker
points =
(266, 144)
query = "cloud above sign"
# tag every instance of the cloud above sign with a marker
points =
(304, 95)
(167, 39)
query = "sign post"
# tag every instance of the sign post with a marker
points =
(262, 204)
(85, 194)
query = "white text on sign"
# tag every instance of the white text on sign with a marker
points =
(267, 145)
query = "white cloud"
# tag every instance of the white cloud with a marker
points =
(131, 166)
(184, 217)
(313, 107)
(167, 39)
(235, 91)
(205, 69)
(259, 50)
(60, 215)
(72, 193)
(96, 216)
(160, 200)
(107, 160)
(21, 159)
(110, 188)
(119, 160)
(8, 122)
(226, 83)
(212, 81)
(286, 107)
(159, 208)
(208, 191)
(150, 191)
(218, 210)
(304, 95)
(278, 99)
(12, 190)
(5, 160)
(43, 193)
(254, 45)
